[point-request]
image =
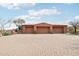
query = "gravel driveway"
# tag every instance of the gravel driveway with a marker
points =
(39, 45)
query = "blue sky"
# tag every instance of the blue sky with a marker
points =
(58, 13)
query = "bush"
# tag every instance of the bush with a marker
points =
(6, 33)
(34, 32)
(18, 31)
(50, 32)
(71, 30)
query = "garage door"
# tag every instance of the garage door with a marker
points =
(43, 29)
(58, 30)
(29, 30)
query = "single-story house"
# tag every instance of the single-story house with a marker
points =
(44, 28)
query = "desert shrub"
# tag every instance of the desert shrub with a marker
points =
(19, 30)
(72, 31)
(34, 32)
(50, 32)
(7, 33)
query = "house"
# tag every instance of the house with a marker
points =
(44, 28)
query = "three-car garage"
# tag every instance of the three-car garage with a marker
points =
(44, 28)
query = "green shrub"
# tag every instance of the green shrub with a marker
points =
(50, 32)
(71, 30)
(6, 33)
(34, 32)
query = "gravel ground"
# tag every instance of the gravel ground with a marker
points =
(39, 45)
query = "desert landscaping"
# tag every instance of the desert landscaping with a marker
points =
(39, 45)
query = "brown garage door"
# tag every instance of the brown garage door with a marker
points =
(58, 30)
(29, 29)
(43, 29)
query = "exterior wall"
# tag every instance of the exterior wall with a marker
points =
(42, 24)
(44, 28)
(24, 29)
(65, 29)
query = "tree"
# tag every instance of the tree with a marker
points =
(3, 24)
(74, 24)
(19, 22)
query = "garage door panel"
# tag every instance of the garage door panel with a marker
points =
(42, 29)
(29, 30)
(58, 30)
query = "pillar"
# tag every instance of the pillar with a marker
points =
(51, 29)
(65, 29)
(23, 29)
(35, 29)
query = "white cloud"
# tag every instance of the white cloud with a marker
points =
(44, 12)
(22, 17)
(16, 5)
(76, 17)
(39, 13)
(68, 3)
